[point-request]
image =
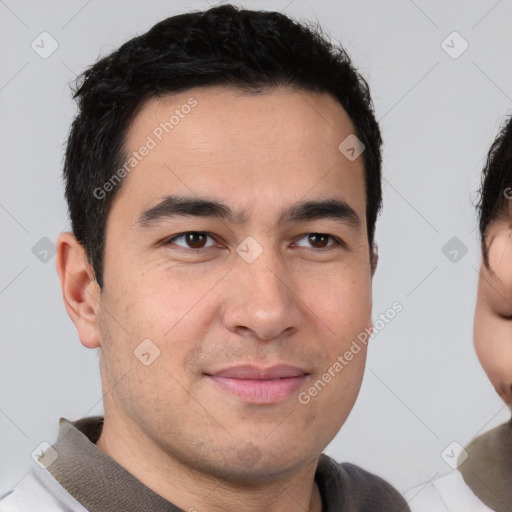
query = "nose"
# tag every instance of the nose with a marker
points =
(262, 303)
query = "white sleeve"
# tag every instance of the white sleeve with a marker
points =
(38, 491)
(446, 493)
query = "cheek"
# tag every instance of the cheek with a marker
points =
(493, 344)
(155, 304)
(496, 359)
(342, 311)
(331, 395)
(344, 303)
(172, 313)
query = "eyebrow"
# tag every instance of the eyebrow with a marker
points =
(176, 206)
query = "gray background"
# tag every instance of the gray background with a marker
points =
(423, 387)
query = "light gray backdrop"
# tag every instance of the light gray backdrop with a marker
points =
(439, 105)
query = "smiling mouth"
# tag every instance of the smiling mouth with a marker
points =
(260, 386)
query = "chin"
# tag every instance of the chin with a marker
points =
(250, 466)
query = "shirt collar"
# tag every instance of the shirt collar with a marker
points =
(99, 483)
(93, 478)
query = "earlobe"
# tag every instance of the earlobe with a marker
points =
(374, 257)
(80, 290)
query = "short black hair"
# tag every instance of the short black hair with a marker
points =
(496, 182)
(221, 46)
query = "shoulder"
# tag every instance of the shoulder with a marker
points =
(487, 470)
(359, 477)
(359, 489)
(29, 495)
(446, 493)
(38, 492)
(492, 443)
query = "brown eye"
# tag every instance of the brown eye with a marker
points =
(191, 240)
(318, 241)
(195, 240)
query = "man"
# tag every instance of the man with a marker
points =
(483, 481)
(223, 183)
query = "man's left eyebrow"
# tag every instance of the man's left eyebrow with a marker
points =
(334, 209)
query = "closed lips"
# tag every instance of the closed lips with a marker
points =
(247, 372)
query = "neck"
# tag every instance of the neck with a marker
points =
(189, 489)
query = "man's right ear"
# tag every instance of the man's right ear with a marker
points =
(80, 290)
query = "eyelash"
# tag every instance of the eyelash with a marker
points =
(170, 241)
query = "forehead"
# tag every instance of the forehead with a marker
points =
(215, 141)
(289, 103)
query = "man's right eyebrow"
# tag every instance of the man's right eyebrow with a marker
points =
(175, 206)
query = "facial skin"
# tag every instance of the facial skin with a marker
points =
(493, 316)
(301, 302)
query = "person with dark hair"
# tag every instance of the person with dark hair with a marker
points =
(488, 467)
(223, 178)
(483, 481)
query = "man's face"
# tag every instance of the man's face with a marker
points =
(248, 312)
(493, 315)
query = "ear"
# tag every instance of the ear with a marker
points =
(374, 257)
(498, 275)
(500, 255)
(80, 290)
